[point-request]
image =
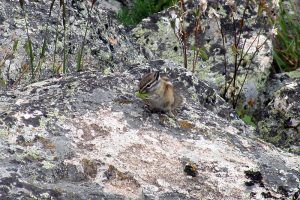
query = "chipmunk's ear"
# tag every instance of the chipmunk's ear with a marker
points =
(156, 75)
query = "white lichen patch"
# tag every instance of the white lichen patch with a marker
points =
(281, 105)
(32, 152)
(3, 133)
(47, 165)
(231, 129)
(45, 195)
(22, 101)
(291, 86)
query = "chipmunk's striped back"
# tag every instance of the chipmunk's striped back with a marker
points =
(149, 81)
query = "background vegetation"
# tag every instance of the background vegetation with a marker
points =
(287, 41)
(141, 9)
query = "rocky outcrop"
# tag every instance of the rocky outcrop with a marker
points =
(86, 136)
(280, 121)
(107, 45)
(158, 40)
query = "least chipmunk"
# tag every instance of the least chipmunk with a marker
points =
(160, 91)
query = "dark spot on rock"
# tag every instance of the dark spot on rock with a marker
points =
(20, 140)
(94, 52)
(33, 91)
(15, 162)
(111, 47)
(249, 183)
(273, 132)
(296, 195)
(102, 39)
(68, 172)
(4, 190)
(13, 181)
(283, 190)
(110, 173)
(11, 151)
(175, 48)
(218, 68)
(11, 170)
(156, 63)
(267, 195)
(34, 121)
(19, 150)
(288, 123)
(283, 139)
(191, 169)
(252, 194)
(255, 176)
(8, 119)
(106, 26)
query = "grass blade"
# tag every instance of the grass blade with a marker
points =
(15, 46)
(51, 7)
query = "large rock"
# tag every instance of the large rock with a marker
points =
(279, 122)
(156, 36)
(106, 41)
(86, 136)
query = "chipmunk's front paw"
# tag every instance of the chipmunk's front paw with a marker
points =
(171, 114)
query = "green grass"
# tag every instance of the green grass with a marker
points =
(142, 96)
(142, 9)
(287, 41)
(248, 120)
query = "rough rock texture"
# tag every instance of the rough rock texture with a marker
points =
(86, 136)
(106, 41)
(156, 36)
(279, 122)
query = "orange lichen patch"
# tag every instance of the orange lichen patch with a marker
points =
(185, 124)
(47, 143)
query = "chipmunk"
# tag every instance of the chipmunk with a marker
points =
(161, 95)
